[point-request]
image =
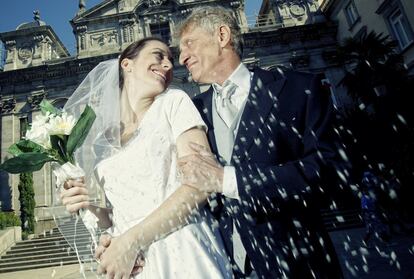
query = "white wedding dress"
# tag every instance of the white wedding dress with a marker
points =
(139, 177)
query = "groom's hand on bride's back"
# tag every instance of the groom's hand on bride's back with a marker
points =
(74, 195)
(104, 242)
(201, 170)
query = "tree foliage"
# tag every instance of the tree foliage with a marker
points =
(379, 123)
(27, 202)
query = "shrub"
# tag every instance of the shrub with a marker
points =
(27, 202)
(8, 219)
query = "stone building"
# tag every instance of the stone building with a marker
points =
(289, 34)
(390, 17)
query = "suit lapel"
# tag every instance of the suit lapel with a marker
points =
(207, 114)
(264, 91)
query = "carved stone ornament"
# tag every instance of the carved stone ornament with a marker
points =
(104, 38)
(25, 53)
(297, 9)
(126, 21)
(11, 43)
(155, 3)
(35, 99)
(7, 104)
(81, 28)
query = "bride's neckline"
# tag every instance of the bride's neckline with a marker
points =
(135, 132)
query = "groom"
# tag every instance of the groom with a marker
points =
(271, 132)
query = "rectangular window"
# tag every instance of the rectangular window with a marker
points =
(161, 30)
(400, 28)
(351, 13)
(24, 125)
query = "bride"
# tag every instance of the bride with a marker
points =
(142, 128)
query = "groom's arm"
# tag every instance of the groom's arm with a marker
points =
(263, 182)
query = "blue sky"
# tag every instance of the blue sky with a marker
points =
(57, 14)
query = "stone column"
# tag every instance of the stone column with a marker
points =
(10, 133)
(81, 38)
(11, 55)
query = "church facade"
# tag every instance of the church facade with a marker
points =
(288, 34)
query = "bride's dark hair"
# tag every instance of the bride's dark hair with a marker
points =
(131, 52)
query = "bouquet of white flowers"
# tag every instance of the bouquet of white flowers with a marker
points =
(53, 137)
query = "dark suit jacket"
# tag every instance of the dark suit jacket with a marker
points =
(281, 150)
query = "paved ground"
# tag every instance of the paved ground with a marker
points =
(377, 261)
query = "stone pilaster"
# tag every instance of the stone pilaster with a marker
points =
(9, 193)
(81, 37)
(127, 30)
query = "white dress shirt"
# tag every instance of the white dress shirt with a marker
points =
(242, 78)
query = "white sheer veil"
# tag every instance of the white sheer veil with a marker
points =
(100, 90)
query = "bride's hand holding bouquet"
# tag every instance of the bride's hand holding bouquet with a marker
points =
(53, 137)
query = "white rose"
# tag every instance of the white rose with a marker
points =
(41, 119)
(61, 125)
(39, 135)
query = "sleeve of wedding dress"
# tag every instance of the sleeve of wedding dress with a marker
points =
(181, 113)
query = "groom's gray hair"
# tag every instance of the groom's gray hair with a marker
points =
(210, 18)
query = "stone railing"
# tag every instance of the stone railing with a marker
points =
(8, 237)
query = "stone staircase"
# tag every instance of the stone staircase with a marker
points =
(49, 249)
(341, 219)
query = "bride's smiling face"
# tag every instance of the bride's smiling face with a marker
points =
(152, 69)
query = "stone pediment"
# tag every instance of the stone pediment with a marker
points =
(147, 7)
(107, 8)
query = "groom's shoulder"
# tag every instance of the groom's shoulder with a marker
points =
(282, 72)
(202, 97)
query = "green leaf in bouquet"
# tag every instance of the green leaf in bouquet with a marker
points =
(59, 145)
(14, 150)
(46, 106)
(26, 162)
(24, 146)
(80, 130)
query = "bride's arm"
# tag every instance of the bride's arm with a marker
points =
(118, 256)
(75, 196)
(174, 212)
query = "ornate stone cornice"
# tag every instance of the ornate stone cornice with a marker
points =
(68, 68)
(126, 21)
(155, 3)
(7, 104)
(38, 38)
(235, 4)
(36, 98)
(81, 28)
(10, 43)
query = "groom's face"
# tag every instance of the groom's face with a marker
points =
(200, 53)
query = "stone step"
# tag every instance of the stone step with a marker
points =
(35, 261)
(22, 245)
(36, 266)
(46, 253)
(51, 240)
(44, 256)
(51, 248)
(47, 246)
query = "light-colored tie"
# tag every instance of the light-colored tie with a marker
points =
(225, 107)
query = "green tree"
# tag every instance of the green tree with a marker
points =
(27, 202)
(379, 118)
